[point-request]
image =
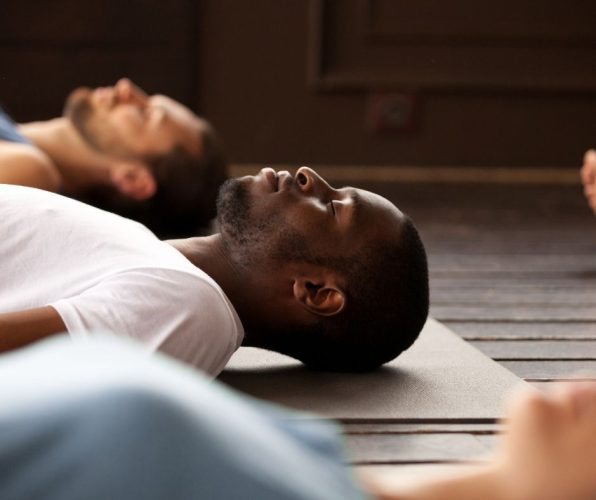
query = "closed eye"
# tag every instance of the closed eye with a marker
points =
(331, 207)
(154, 114)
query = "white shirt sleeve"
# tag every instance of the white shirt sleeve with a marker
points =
(167, 310)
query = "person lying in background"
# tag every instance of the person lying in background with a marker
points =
(336, 278)
(102, 420)
(146, 157)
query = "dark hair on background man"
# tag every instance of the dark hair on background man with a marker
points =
(387, 305)
(187, 187)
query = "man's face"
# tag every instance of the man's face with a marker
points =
(124, 122)
(274, 217)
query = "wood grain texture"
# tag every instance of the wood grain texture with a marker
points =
(552, 369)
(429, 448)
(502, 350)
(421, 428)
(497, 51)
(518, 312)
(547, 294)
(581, 265)
(531, 330)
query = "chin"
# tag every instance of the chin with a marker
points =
(79, 110)
(77, 101)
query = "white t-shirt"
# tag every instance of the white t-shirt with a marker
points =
(102, 272)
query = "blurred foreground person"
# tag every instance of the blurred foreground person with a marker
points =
(103, 420)
(147, 157)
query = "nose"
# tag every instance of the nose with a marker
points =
(128, 92)
(310, 182)
(123, 89)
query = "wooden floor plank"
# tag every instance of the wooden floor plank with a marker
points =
(508, 276)
(551, 295)
(521, 312)
(422, 428)
(571, 330)
(538, 349)
(400, 448)
(582, 265)
(504, 283)
(552, 369)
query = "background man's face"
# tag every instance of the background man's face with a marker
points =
(123, 121)
(274, 218)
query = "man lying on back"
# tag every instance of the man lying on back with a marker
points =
(334, 277)
(146, 156)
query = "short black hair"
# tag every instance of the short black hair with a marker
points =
(387, 296)
(187, 187)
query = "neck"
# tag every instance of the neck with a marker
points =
(80, 166)
(264, 301)
(210, 254)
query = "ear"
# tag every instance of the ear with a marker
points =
(321, 296)
(133, 179)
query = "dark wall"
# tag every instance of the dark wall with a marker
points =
(512, 83)
(49, 47)
(257, 58)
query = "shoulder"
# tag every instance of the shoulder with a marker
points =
(27, 165)
(177, 312)
(209, 330)
(199, 295)
(184, 294)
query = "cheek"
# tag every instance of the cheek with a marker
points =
(304, 232)
(158, 140)
(290, 213)
(127, 123)
(306, 214)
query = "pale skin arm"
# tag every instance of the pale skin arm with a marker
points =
(27, 166)
(547, 453)
(21, 328)
(481, 483)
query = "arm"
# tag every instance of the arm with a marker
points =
(18, 329)
(27, 166)
(477, 483)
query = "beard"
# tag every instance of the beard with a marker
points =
(253, 240)
(233, 209)
(79, 111)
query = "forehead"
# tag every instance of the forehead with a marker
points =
(373, 213)
(374, 206)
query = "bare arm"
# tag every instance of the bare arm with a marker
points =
(18, 329)
(27, 166)
(477, 483)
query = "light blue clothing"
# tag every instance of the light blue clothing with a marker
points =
(103, 420)
(9, 131)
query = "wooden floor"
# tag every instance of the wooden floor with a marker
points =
(513, 271)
